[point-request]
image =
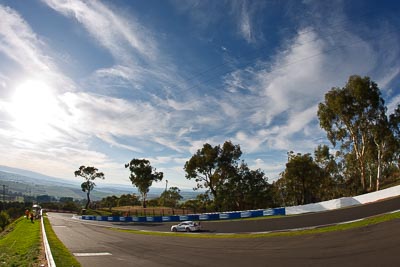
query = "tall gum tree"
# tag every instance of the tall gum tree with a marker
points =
(348, 115)
(211, 166)
(142, 176)
(89, 174)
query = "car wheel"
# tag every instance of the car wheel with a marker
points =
(188, 229)
(174, 230)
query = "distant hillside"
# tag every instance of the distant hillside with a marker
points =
(23, 182)
(36, 175)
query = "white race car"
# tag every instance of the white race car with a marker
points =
(186, 226)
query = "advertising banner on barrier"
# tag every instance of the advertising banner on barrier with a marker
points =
(223, 216)
(268, 212)
(191, 217)
(245, 214)
(203, 217)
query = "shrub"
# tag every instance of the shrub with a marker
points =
(4, 219)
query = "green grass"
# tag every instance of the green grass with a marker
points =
(62, 256)
(20, 244)
(341, 227)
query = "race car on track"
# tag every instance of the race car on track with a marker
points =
(186, 226)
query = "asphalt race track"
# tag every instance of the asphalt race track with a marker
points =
(376, 245)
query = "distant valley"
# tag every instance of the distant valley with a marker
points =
(16, 183)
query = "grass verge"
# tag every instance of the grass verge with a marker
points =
(20, 244)
(339, 227)
(62, 256)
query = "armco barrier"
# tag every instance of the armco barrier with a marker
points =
(190, 217)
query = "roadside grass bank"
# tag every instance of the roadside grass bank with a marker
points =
(323, 229)
(62, 256)
(20, 244)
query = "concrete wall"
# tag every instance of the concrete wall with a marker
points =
(345, 201)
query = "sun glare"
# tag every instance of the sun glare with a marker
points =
(33, 108)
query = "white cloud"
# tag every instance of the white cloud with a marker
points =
(392, 105)
(110, 29)
(245, 24)
(268, 107)
(19, 43)
(272, 169)
(281, 98)
(16, 35)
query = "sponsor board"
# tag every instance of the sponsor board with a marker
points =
(224, 216)
(245, 214)
(268, 212)
(203, 217)
(183, 218)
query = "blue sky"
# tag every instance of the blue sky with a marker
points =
(101, 82)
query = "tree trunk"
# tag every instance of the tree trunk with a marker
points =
(362, 167)
(88, 200)
(360, 152)
(381, 149)
(378, 173)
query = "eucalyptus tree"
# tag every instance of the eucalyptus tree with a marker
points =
(109, 202)
(170, 197)
(380, 152)
(386, 135)
(142, 176)
(332, 182)
(89, 174)
(212, 166)
(394, 124)
(302, 179)
(348, 115)
(247, 189)
(128, 200)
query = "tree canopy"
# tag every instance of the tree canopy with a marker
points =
(210, 166)
(170, 197)
(233, 186)
(302, 178)
(349, 116)
(142, 176)
(89, 174)
(355, 119)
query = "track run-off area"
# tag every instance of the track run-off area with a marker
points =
(95, 244)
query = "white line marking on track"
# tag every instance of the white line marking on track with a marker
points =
(92, 254)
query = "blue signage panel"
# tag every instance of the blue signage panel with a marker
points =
(191, 217)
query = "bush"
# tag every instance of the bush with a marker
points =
(4, 219)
